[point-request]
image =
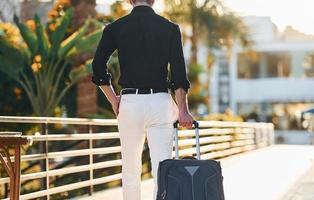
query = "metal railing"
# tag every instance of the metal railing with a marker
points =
(217, 139)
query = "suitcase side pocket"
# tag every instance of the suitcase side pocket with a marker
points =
(212, 188)
(174, 189)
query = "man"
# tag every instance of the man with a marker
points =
(146, 44)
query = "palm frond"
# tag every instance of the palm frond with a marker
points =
(58, 35)
(28, 35)
(43, 42)
(70, 42)
(12, 54)
(87, 43)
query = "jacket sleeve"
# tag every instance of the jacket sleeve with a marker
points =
(105, 48)
(177, 64)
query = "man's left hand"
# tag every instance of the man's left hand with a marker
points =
(185, 119)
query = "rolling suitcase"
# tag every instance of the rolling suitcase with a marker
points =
(189, 178)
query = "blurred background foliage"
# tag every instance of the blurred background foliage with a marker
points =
(44, 59)
(212, 24)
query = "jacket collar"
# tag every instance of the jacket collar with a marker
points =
(142, 9)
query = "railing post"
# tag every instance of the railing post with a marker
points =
(13, 169)
(91, 161)
(271, 133)
(47, 162)
(263, 135)
(256, 136)
(44, 163)
(17, 173)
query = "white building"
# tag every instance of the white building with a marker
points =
(275, 79)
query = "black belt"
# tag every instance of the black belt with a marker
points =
(143, 90)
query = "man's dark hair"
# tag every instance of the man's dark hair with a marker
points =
(147, 1)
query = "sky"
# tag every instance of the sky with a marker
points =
(299, 14)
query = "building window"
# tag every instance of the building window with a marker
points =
(248, 65)
(278, 64)
(254, 65)
(308, 64)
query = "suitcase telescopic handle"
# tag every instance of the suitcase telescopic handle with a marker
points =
(197, 138)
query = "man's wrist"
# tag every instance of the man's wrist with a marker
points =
(183, 111)
(114, 101)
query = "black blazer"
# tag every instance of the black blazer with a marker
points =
(146, 43)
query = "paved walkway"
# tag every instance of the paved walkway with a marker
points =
(304, 187)
(278, 172)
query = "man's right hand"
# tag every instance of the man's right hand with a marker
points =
(115, 105)
(112, 97)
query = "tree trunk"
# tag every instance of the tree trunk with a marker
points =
(86, 90)
(82, 10)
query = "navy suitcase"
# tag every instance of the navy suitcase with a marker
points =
(189, 178)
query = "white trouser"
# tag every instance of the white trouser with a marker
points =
(141, 115)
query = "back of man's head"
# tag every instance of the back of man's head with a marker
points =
(134, 2)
